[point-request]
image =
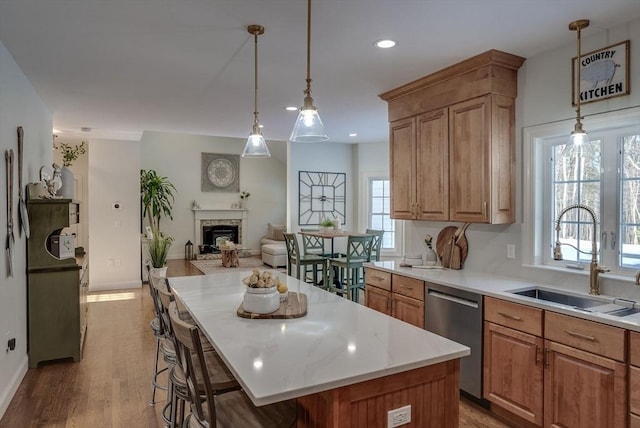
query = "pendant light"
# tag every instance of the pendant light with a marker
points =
(578, 135)
(256, 146)
(308, 127)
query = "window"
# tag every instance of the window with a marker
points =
(603, 175)
(375, 211)
(380, 212)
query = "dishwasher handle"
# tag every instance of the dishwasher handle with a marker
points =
(454, 299)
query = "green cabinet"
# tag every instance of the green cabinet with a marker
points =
(56, 292)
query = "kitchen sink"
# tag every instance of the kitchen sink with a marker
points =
(624, 312)
(581, 302)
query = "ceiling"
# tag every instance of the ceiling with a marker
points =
(121, 67)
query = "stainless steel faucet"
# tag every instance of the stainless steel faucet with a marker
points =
(594, 269)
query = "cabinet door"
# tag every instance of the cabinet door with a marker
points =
(469, 160)
(502, 169)
(378, 299)
(402, 152)
(408, 309)
(583, 390)
(432, 167)
(513, 372)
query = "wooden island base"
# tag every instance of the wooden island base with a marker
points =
(432, 392)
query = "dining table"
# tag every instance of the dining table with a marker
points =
(342, 362)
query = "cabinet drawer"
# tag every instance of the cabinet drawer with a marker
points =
(634, 348)
(634, 421)
(378, 278)
(513, 315)
(589, 336)
(634, 389)
(409, 287)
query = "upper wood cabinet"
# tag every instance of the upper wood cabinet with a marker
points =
(452, 142)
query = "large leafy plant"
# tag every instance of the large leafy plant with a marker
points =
(156, 193)
(159, 249)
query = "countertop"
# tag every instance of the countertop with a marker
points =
(499, 286)
(337, 343)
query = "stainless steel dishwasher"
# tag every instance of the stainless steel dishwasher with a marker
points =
(457, 315)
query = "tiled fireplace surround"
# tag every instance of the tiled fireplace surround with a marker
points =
(212, 216)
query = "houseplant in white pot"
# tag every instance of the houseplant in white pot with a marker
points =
(69, 155)
(156, 193)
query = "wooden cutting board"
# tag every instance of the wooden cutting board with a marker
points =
(295, 306)
(444, 243)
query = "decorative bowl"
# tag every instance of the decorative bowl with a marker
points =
(284, 296)
(413, 260)
(261, 300)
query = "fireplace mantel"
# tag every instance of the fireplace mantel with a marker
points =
(203, 214)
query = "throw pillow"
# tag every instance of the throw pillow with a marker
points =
(276, 231)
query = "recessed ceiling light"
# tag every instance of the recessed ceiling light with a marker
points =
(353, 134)
(385, 44)
(291, 108)
(260, 126)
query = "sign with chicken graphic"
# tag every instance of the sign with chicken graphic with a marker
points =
(603, 73)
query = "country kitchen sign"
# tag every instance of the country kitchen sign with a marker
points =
(603, 74)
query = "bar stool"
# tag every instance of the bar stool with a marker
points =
(351, 267)
(376, 245)
(163, 346)
(301, 260)
(224, 409)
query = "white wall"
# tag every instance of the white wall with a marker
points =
(544, 95)
(114, 176)
(20, 105)
(321, 157)
(178, 157)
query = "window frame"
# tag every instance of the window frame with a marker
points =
(536, 221)
(365, 210)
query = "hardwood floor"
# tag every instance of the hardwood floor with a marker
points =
(111, 387)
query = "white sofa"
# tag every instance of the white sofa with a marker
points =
(273, 248)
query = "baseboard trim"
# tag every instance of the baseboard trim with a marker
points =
(106, 286)
(14, 384)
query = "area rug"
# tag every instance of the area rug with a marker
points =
(211, 266)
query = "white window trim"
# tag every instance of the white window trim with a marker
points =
(364, 207)
(532, 162)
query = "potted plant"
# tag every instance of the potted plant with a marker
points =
(243, 198)
(156, 194)
(158, 251)
(69, 155)
(326, 224)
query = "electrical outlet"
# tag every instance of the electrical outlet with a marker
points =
(398, 417)
(511, 251)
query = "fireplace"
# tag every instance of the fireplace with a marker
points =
(210, 224)
(211, 233)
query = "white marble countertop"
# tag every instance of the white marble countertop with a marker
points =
(337, 343)
(499, 286)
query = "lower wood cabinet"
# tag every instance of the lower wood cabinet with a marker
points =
(634, 379)
(395, 295)
(582, 389)
(514, 371)
(569, 374)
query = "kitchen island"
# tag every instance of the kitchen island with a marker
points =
(345, 364)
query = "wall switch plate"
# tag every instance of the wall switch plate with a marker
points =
(511, 251)
(398, 417)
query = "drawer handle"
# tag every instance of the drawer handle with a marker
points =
(580, 335)
(512, 317)
(379, 278)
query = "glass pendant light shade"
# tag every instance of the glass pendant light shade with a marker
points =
(256, 146)
(578, 135)
(308, 127)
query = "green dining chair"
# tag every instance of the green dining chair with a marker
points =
(350, 267)
(376, 245)
(294, 257)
